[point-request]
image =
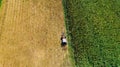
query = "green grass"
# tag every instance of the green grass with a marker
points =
(0, 2)
(93, 28)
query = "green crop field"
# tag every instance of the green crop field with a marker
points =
(0, 2)
(93, 30)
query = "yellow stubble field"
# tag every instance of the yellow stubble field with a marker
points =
(30, 34)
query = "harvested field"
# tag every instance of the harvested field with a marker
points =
(30, 34)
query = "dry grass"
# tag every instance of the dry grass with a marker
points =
(30, 34)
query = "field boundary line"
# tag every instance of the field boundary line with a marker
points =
(70, 50)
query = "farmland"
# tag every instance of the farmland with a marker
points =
(30, 33)
(93, 30)
(0, 2)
